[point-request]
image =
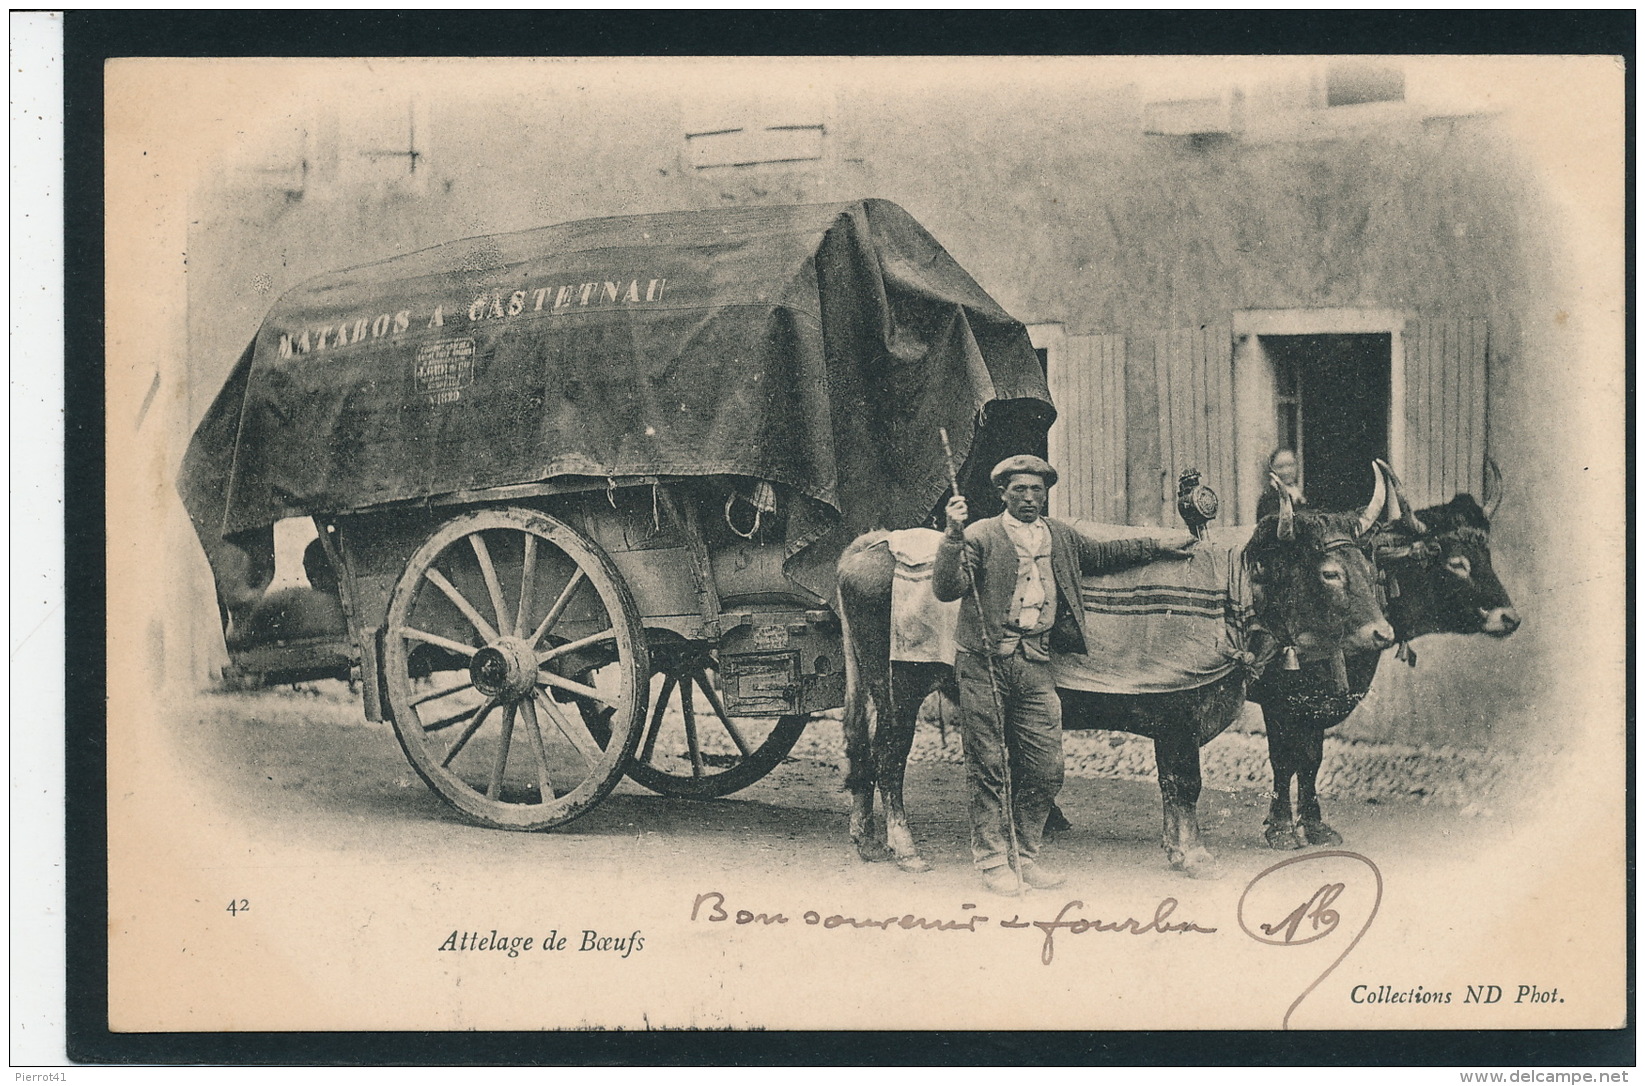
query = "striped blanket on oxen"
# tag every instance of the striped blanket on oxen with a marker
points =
(1152, 629)
(1162, 627)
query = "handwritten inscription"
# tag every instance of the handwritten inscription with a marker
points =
(711, 908)
(1314, 915)
(1160, 924)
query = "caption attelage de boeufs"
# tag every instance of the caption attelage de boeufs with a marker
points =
(514, 945)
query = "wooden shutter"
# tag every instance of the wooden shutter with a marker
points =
(1194, 370)
(1445, 367)
(1087, 443)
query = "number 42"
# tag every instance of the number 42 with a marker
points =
(236, 906)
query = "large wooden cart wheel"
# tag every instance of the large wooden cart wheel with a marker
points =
(692, 747)
(505, 631)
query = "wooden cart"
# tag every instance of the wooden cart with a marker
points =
(537, 608)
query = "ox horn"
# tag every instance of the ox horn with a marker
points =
(1287, 514)
(1379, 502)
(1402, 508)
(1493, 480)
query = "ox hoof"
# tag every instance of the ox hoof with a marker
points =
(914, 865)
(873, 852)
(1319, 833)
(1199, 864)
(1281, 836)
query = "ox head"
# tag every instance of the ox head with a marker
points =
(1437, 564)
(1317, 589)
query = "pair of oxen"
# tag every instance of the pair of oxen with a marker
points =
(1330, 593)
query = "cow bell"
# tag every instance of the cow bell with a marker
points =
(1288, 659)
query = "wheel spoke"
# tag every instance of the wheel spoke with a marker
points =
(545, 787)
(448, 721)
(719, 711)
(438, 580)
(494, 587)
(548, 678)
(657, 720)
(573, 646)
(691, 729)
(465, 651)
(559, 607)
(528, 574)
(443, 691)
(468, 733)
(575, 733)
(501, 763)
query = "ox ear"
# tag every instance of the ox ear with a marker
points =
(1466, 511)
(1379, 501)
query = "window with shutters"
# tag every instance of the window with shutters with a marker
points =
(1445, 408)
(1342, 386)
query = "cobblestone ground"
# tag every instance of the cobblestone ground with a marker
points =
(1238, 761)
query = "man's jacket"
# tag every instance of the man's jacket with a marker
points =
(988, 556)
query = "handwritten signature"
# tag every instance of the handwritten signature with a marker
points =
(1314, 918)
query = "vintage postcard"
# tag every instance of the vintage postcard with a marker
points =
(489, 444)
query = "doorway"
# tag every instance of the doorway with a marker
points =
(1331, 398)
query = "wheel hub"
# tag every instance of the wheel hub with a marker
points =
(505, 669)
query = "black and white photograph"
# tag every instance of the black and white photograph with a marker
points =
(1086, 543)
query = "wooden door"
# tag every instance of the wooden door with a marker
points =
(1194, 370)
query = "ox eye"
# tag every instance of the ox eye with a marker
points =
(1459, 565)
(1330, 574)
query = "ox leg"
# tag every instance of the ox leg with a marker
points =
(893, 739)
(1311, 825)
(1176, 758)
(1279, 830)
(859, 778)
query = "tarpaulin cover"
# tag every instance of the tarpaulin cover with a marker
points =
(817, 347)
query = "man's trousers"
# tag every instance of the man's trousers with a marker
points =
(1027, 728)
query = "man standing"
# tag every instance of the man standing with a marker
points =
(1025, 571)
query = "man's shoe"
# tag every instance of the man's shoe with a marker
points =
(1041, 879)
(1001, 880)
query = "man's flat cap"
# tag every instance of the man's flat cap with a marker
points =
(1023, 465)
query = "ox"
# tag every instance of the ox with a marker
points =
(1437, 567)
(1316, 593)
